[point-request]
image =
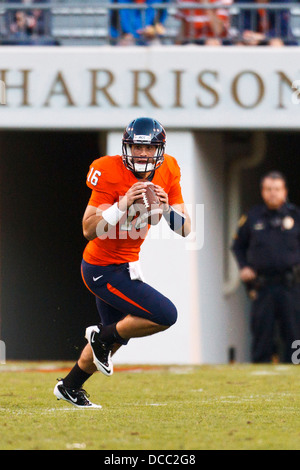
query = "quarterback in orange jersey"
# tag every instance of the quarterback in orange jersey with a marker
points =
(128, 307)
(108, 189)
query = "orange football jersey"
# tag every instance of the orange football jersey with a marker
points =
(109, 180)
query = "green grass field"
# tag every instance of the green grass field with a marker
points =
(238, 406)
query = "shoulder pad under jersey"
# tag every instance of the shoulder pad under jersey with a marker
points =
(105, 170)
(170, 166)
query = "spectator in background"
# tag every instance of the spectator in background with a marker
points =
(141, 27)
(200, 26)
(265, 27)
(27, 24)
(23, 25)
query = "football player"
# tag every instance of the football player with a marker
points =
(128, 307)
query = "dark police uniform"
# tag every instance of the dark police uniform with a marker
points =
(268, 241)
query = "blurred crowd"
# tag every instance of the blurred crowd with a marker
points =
(147, 26)
(216, 26)
(31, 25)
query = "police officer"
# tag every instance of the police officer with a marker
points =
(267, 249)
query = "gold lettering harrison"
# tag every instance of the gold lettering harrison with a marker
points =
(103, 88)
(283, 80)
(211, 90)
(177, 101)
(260, 94)
(138, 89)
(23, 86)
(59, 80)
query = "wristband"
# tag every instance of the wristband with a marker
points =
(174, 218)
(113, 214)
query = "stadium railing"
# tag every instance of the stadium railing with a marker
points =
(71, 22)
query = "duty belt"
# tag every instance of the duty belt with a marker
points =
(288, 278)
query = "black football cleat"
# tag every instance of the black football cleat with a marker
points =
(77, 398)
(101, 350)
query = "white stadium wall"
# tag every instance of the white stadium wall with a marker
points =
(185, 87)
(197, 93)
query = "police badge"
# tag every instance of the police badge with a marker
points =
(288, 223)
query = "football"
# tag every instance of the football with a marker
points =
(149, 206)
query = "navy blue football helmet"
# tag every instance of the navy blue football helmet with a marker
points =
(145, 131)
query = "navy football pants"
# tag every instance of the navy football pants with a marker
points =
(117, 295)
(280, 304)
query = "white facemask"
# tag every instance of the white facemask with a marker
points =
(143, 167)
